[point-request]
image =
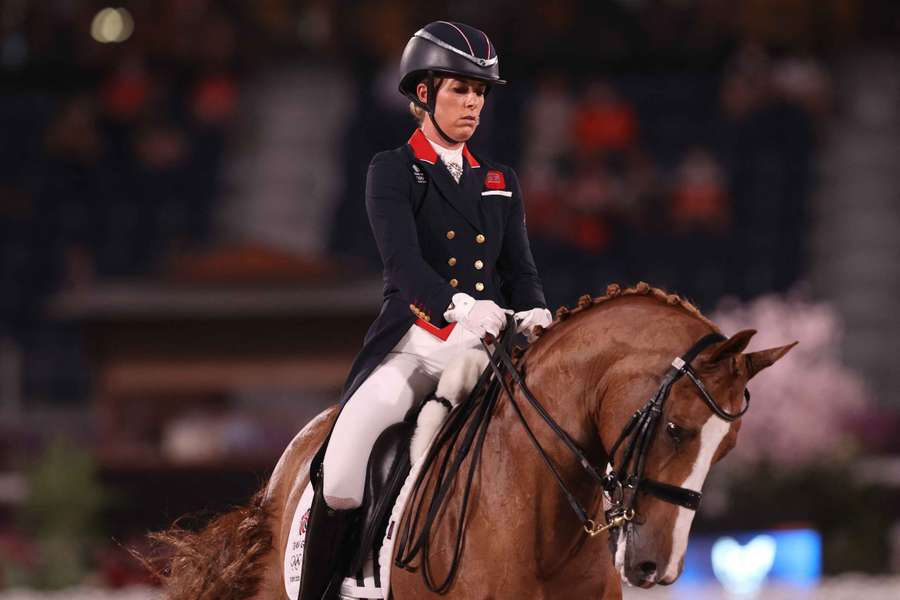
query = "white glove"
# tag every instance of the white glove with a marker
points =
(528, 319)
(478, 316)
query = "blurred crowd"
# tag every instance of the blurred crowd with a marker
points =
(110, 152)
(109, 160)
(695, 182)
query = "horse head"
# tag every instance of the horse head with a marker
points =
(695, 425)
(643, 381)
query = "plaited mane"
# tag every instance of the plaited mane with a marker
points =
(613, 290)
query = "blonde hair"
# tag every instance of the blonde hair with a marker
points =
(418, 113)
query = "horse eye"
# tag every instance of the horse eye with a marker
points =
(675, 432)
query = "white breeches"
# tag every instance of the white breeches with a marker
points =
(409, 372)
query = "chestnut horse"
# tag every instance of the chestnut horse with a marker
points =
(592, 370)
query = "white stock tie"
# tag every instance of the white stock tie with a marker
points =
(454, 168)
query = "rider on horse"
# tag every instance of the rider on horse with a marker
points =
(450, 229)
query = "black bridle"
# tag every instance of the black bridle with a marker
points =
(620, 484)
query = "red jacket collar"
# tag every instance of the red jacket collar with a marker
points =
(472, 162)
(423, 150)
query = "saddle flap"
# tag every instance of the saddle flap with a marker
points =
(387, 470)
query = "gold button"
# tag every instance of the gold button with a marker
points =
(479, 265)
(452, 261)
(454, 282)
(479, 238)
(479, 286)
(451, 234)
(427, 319)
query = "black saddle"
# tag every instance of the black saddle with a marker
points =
(387, 470)
(388, 467)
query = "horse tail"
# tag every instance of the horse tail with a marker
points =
(223, 561)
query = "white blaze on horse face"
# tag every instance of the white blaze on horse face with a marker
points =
(620, 556)
(711, 435)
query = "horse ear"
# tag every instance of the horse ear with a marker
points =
(732, 346)
(757, 361)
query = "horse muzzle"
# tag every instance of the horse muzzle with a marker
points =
(642, 573)
(637, 561)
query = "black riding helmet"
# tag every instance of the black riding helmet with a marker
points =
(446, 48)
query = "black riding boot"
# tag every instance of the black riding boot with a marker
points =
(326, 554)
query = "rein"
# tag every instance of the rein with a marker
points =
(461, 435)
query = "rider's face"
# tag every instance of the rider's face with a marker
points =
(458, 106)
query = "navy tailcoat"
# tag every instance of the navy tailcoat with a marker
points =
(438, 237)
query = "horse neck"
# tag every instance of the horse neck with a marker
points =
(561, 370)
(579, 364)
(589, 371)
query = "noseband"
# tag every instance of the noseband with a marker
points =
(621, 484)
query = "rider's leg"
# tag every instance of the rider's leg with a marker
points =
(411, 371)
(382, 400)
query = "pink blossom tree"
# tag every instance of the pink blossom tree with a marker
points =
(806, 407)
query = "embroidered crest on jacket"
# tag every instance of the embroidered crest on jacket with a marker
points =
(419, 175)
(494, 180)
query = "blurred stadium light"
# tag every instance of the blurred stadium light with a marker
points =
(112, 25)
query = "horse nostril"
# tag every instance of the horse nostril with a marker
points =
(648, 568)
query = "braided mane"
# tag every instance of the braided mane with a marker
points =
(613, 290)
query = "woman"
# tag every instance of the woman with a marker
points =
(450, 229)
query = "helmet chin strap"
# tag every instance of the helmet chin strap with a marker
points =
(431, 107)
(446, 137)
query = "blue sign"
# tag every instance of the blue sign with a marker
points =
(743, 562)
